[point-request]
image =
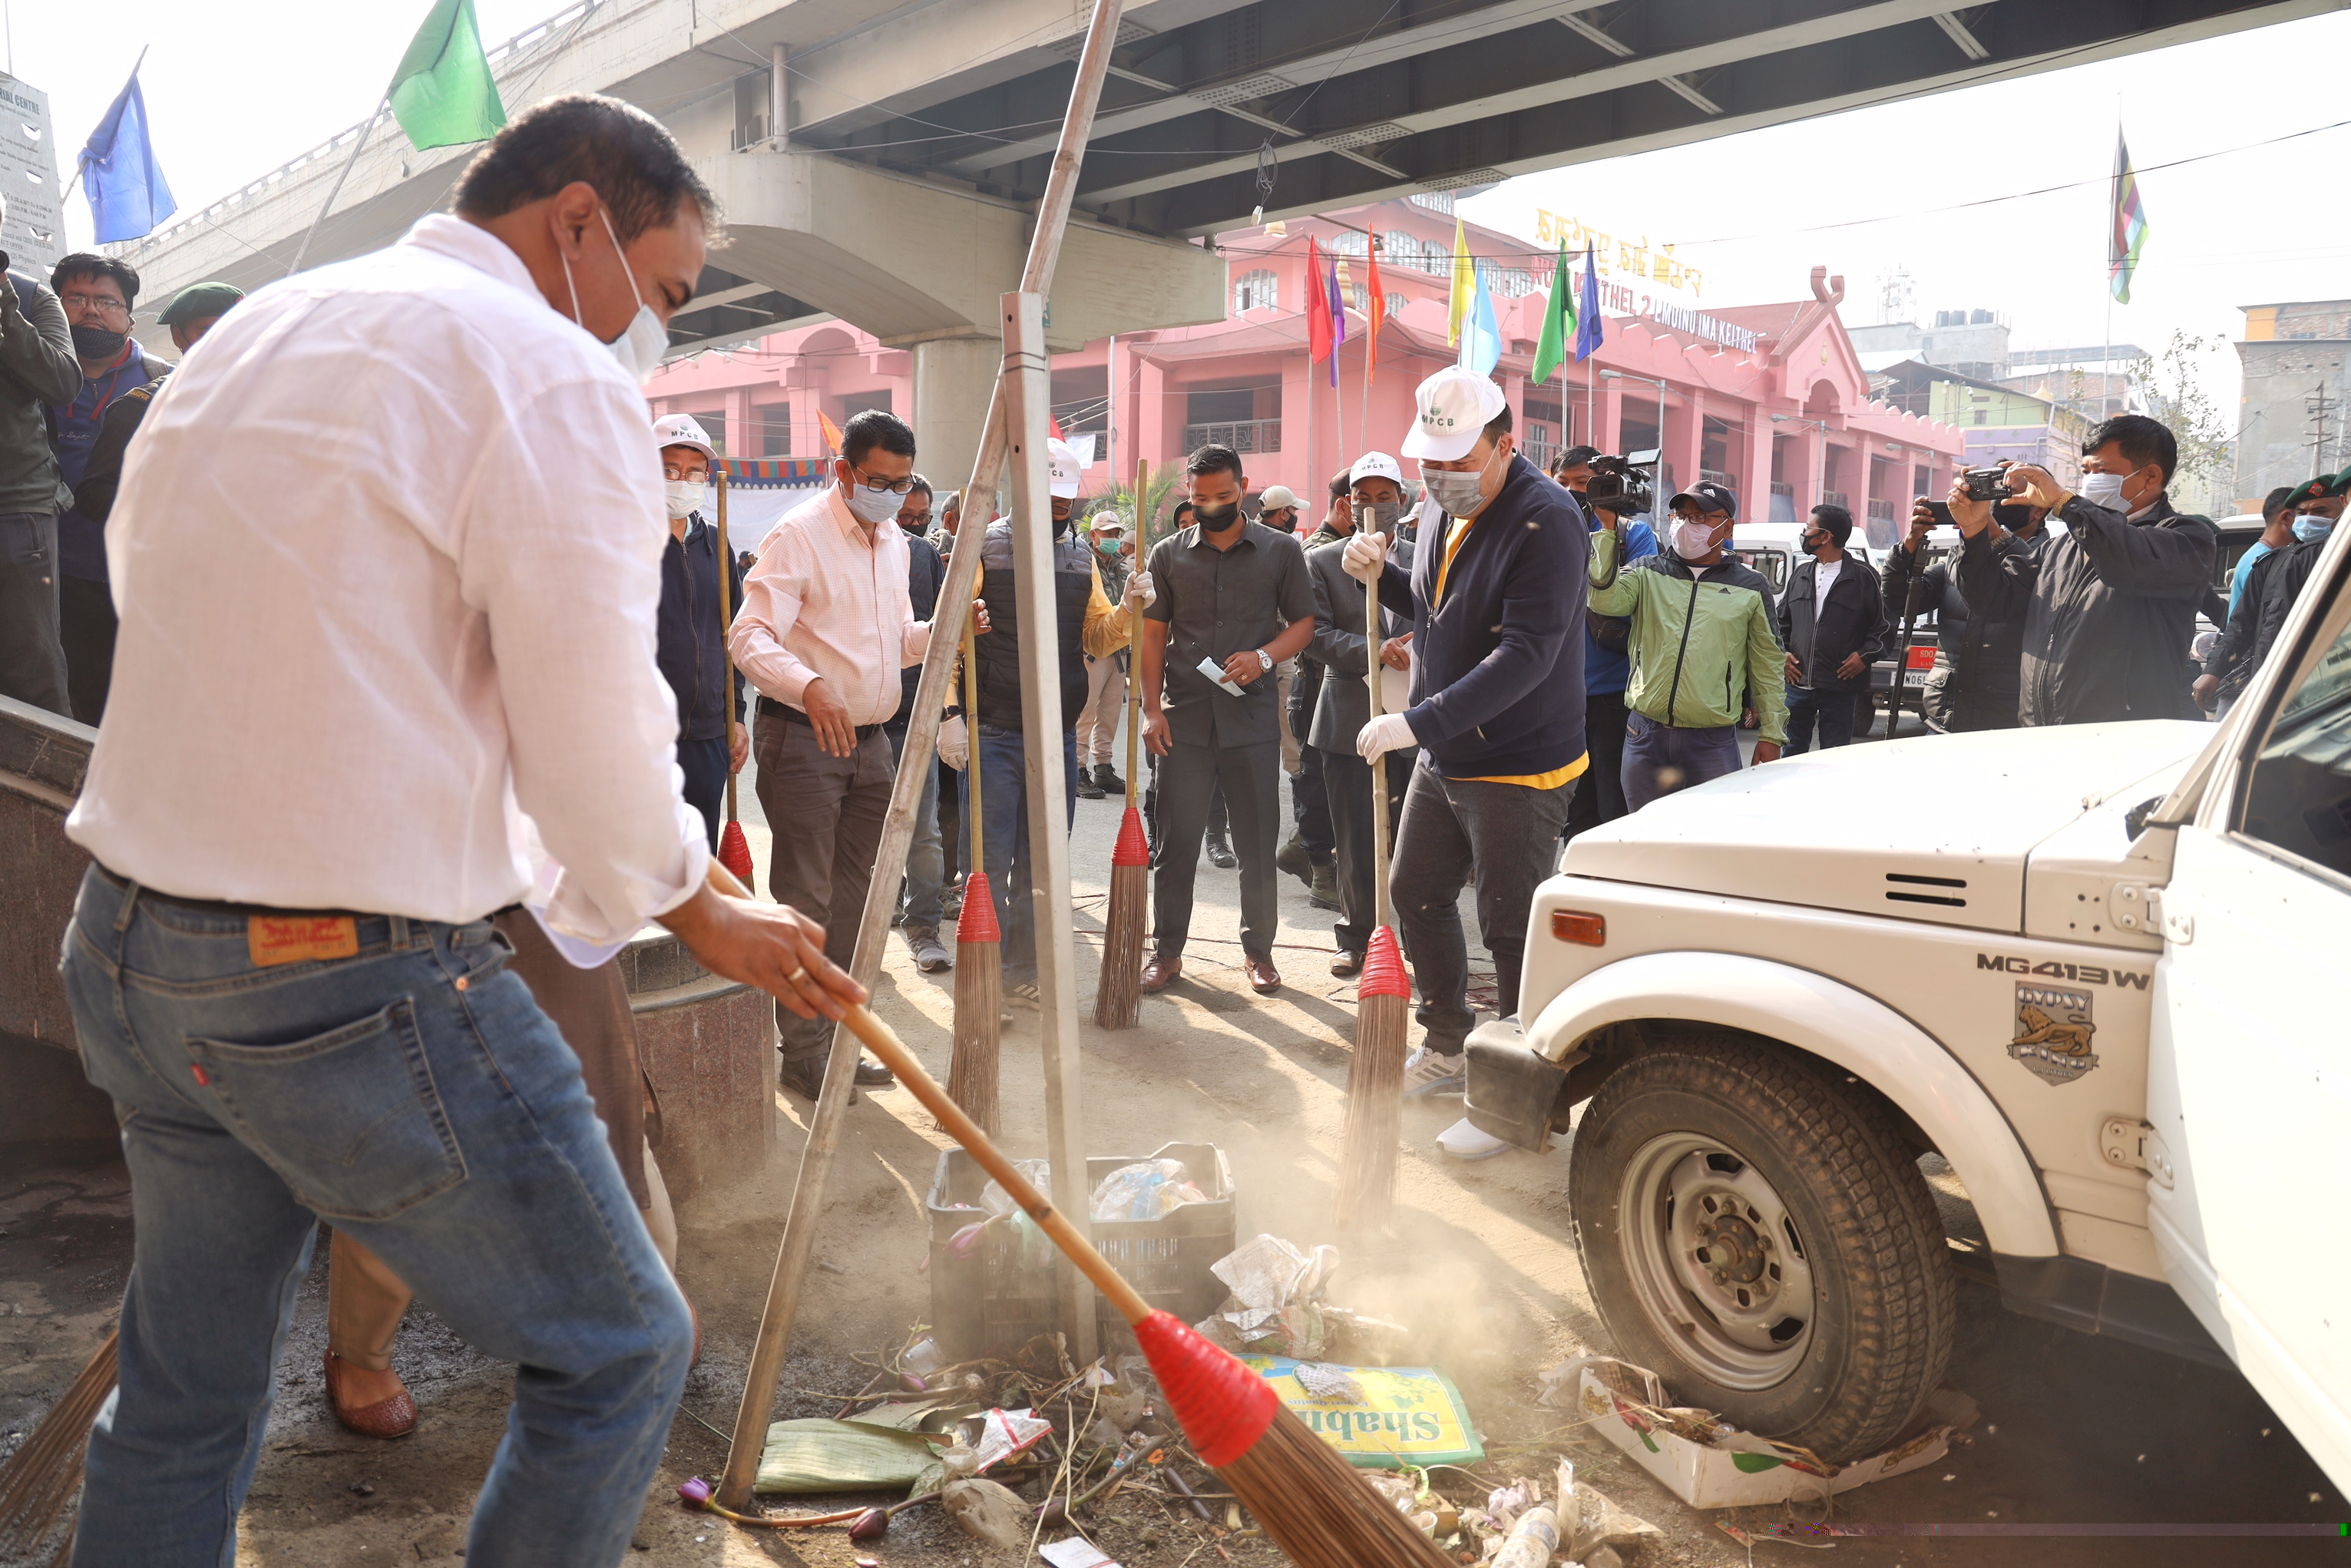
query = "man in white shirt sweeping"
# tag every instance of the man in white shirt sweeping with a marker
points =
(414, 499)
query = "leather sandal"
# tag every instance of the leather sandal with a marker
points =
(392, 1417)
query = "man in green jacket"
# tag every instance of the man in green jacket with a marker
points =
(1702, 630)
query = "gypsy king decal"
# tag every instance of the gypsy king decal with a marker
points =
(2052, 1032)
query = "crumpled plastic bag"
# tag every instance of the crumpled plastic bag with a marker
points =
(1148, 1189)
(1276, 1305)
(1033, 1249)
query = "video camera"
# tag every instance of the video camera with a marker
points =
(1617, 486)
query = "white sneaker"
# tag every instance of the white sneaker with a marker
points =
(1428, 1072)
(1465, 1140)
(1026, 994)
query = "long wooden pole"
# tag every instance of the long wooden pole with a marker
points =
(1134, 628)
(1045, 740)
(726, 620)
(793, 1253)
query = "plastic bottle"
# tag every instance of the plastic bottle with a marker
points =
(1533, 1540)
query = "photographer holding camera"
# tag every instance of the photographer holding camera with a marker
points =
(1980, 641)
(1613, 496)
(36, 366)
(2109, 610)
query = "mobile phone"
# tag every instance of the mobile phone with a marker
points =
(1943, 512)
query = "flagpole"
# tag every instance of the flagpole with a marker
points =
(1312, 282)
(312, 232)
(1363, 415)
(2114, 209)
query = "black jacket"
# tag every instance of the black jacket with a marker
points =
(2284, 587)
(927, 573)
(101, 476)
(998, 653)
(2231, 660)
(1853, 621)
(1339, 655)
(1497, 671)
(690, 645)
(2109, 612)
(1981, 633)
(1306, 686)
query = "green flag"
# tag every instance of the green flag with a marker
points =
(1558, 320)
(442, 94)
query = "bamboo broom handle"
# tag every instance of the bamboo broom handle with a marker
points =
(883, 1041)
(1381, 914)
(1134, 632)
(725, 623)
(972, 862)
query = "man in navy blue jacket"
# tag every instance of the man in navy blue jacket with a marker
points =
(1497, 702)
(691, 639)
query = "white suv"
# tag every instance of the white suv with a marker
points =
(2100, 970)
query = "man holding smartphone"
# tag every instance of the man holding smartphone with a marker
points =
(1983, 639)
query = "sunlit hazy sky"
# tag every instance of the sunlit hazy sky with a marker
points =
(233, 94)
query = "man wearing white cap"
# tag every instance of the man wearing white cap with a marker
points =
(1107, 676)
(691, 643)
(1496, 603)
(1085, 623)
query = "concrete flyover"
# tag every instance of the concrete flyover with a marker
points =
(888, 181)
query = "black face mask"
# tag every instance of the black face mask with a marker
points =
(98, 343)
(1061, 528)
(2014, 518)
(1814, 543)
(1216, 519)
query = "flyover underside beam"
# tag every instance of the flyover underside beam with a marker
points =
(1491, 125)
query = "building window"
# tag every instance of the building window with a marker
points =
(1982, 417)
(1435, 201)
(772, 422)
(714, 425)
(1513, 282)
(1257, 291)
(1349, 243)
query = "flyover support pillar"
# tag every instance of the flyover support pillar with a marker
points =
(954, 379)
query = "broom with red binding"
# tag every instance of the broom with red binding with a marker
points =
(734, 850)
(1119, 995)
(1365, 1188)
(1310, 1499)
(979, 946)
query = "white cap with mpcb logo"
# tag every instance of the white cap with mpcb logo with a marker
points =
(1453, 408)
(683, 430)
(1376, 465)
(1063, 461)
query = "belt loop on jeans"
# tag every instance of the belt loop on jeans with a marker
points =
(130, 907)
(399, 933)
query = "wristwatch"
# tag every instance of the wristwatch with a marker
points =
(1264, 659)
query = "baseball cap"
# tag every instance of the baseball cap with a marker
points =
(1277, 498)
(1453, 408)
(1107, 523)
(677, 430)
(1376, 465)
(1064, 463)
(199, 302)
(1709, 497)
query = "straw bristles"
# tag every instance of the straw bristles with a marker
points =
(978, 1031)
(1119, 997)
(1318, 1509)
(42, 1475)
(1367, 1158)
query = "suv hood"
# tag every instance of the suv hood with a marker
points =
(1935, 828)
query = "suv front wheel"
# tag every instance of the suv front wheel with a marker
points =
(1759, 1235)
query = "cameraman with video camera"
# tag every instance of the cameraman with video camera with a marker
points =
(2110, 610)
(1974, 685)
(1613, 497)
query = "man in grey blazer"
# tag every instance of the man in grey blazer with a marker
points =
(1340, 647)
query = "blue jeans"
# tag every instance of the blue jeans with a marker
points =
(415, 1094)
(1003, 830)
(926, 870)
(1661, 759)
(1832, 707)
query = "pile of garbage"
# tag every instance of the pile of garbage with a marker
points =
(1520, 1526)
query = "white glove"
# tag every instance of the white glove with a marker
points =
(1386, 733)
(954, 743)
(1363, 556)
(1139, 592)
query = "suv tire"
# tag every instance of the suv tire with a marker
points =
(1759, 1235)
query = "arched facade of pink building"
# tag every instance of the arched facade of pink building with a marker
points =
(1768, 399)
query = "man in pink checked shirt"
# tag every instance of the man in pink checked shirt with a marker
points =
(825, 627)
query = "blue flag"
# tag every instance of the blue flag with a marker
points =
(1587, 320)
(127, 194)
(1481, 340)
(1338, 320)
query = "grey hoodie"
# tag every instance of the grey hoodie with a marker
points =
(36, 366)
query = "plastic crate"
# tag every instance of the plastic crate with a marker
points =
(988, 1304)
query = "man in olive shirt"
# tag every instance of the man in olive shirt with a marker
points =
(36, 366)
(1234, 594)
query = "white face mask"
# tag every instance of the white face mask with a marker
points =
(683, 496)
(641, 345)
(1692, 537)
(871, 505)
(2104, 490)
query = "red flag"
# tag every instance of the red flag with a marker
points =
(1375, 307)
(831, 432)
(1053, 428)
(1318, 308)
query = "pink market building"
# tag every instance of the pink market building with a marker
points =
(1771, 399)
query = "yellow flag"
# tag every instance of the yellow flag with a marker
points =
(1465, 285)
